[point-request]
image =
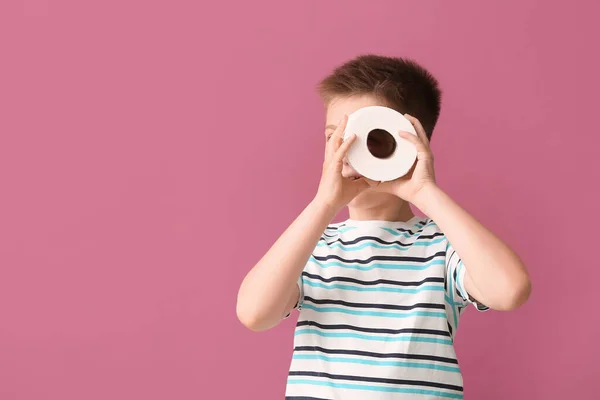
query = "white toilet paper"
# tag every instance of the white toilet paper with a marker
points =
(365, 120)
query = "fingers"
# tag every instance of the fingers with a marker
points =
(338, 135)
(336, 139)
(339, 131)
(419, 128)
(338, 158)
(421, 147)
(329, 150)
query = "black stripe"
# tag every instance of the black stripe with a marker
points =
(370, 283)
(377, 380)
(374, 330)
(451, 256)
(456, 284)
(372, 305)
(448, 264)
(437, 234)
(381, 258)
(381, 241)
(303, 398)
(329, 236)
(409, 230)
(449, 328)
(377, 355)
(422, 224)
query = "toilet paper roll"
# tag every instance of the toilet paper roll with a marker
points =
(379, 153)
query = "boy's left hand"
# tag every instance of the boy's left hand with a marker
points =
(421, 175)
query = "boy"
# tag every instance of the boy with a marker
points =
(379, 294)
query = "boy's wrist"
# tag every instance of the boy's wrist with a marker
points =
(324, 209)
(426, 198)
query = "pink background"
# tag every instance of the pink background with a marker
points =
(151, 151)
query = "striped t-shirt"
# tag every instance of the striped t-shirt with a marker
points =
(379, 307)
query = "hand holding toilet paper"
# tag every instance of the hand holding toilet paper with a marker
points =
(378, 152)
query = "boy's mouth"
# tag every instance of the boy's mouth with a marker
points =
(353, 176)
(350, 173)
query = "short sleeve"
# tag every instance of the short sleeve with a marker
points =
(298, 305)
(455, 282)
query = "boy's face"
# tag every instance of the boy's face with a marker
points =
(335, 111)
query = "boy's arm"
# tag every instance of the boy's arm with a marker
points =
(270, 290)
(495, 275)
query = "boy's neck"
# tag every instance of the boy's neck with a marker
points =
(394, 210)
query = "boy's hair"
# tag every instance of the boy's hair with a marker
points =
(399, 83)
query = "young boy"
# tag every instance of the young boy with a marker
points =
(379, 294)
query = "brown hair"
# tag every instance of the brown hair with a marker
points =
(399, 83)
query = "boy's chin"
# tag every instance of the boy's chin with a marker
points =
(370, 197)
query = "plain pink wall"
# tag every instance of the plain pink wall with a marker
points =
(151, 151)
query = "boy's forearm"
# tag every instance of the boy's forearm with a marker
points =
(496, 276)
(265, 291)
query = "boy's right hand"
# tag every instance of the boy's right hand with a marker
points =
(270, 290)
(335, 191)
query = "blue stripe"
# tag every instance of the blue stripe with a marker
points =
(417, 267)
(375, 388)
(351, 335)
(375, 313)
(345, 229)
(451, 295)
(352, 360)
(380, 246)
(373, 288)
